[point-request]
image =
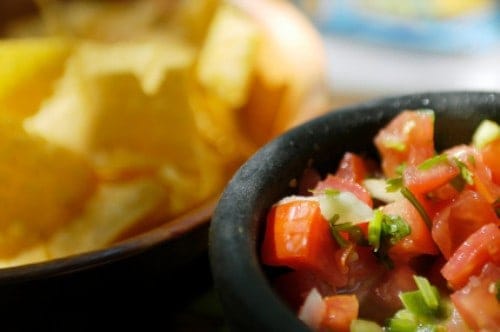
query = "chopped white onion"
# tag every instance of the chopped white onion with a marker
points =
(313, 309)
(347, 206)
(376, 188)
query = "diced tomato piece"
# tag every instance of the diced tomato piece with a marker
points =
(455, 223)
(419, 241)
(298, 236)
(477, 302)
(342, 184)
(340, 311)
(408, 138)
(383, 300)
(491, 158)
(481, 247)
(365, 272)
(365, 266)
(481, 174)
(426, 180)
(352, 167)
(440, 198)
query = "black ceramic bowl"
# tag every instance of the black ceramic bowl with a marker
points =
(249, 302)
(144, 281)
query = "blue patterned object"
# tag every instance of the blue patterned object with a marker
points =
(470, 32)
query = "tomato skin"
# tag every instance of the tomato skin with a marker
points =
(491, 158)
(383, 299)
(352, 167)
(479, 248)
(476, 303)
(298, 236)
(413, 131)
(481, 174)
(419, 241)
(456, 222)
(340, 311)
(342, 184)
(424, 181)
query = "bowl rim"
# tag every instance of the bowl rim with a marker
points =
(228, 239)
(169, 230)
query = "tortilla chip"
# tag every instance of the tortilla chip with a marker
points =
(43, 188)
(114, 208)
(28, 70)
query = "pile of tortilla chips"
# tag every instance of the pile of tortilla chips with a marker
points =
(115, 117)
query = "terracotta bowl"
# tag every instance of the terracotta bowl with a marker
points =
(242, 282)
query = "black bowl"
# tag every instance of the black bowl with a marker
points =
(144, 281)
(249, 302)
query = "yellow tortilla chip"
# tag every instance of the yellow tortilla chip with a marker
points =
(28, 70)
(226, 61)
(116, 89)
(43, 188)
(222, 81)
(114, 208)
(132, 123)
(149, 60)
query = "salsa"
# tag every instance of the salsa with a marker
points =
(411, 243)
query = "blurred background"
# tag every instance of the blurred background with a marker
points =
(387, 47)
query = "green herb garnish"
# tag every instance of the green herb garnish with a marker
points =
(414, 201)
(362, 325)
(375, 229)
(355, 233)
(402, 325)
(429, 292)
(464, 171)
(424, 303)
(400, 169)
(423, 309)
(394, 184)
(383, 232)
(394, 228)
(331, 191)
(395, 145)
(342, 242)
(431, 162)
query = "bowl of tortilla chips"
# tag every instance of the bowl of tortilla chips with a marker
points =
(120, 124)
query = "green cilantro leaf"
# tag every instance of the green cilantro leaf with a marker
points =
(414, 201)
(394, 228)
(342, 242)
(395, 145)
(464, 171)
(394, 184)
(383, 232)
(433, 161)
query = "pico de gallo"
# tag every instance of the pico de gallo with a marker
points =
(410, 243)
